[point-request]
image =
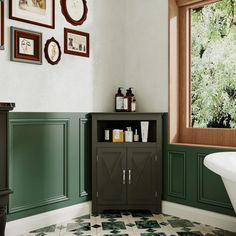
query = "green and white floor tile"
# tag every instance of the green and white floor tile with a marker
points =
(138, 223)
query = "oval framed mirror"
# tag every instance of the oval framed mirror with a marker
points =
(52, 51)
(75, 11)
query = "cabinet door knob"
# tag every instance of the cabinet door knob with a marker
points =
(123, 176)
(129, 176)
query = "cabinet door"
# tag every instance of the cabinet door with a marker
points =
(111, 176)
(142, 176)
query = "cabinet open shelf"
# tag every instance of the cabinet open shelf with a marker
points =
(124, 144)
(102, 125)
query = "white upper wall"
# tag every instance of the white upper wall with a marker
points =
(128, 46)
(146, 65)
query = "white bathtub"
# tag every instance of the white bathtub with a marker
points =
(224, 164)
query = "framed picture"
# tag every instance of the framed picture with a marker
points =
(74, 11)
(38, 12)
(52, 51)
(76, 43)
(1, 24)
(26, 46)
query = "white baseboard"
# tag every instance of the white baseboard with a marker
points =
(205, 217)
(27, 224)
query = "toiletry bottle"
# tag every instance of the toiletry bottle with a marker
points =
(136, 136)
(107, 135)
(129, 135)
(133, 100)
(119, 101)
(127, 101)
(133, 104)
(131, 92)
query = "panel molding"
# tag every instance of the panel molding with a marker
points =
(47, 201)
(82, 190)
(50, 200)
(201, 198)
(170, 184)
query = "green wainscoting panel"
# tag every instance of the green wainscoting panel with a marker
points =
(208, 192)
(49, 161)
(177, 174)
(40, 149)
(85, 160)
(202, 189)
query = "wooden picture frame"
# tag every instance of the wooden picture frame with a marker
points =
(76, 42)
(29, 11)
(1, 24)
(52, 51)
(75, 12)
(26, 46)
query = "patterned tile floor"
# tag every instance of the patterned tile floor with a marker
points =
(138, 223)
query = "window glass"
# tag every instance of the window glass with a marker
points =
(213, 65)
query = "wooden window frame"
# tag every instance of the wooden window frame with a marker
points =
(180, 130)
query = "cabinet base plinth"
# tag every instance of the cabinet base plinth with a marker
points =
(153, 208)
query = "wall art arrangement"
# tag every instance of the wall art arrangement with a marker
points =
(74, 11)
(76, 42)
(26, 46)
(1, 24)
(52, 51)
(38, 12)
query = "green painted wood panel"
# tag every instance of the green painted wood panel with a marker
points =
(49, 159)
(85, 157)
(208, 192)
(38, 162)
(177, 174)
(204, 189)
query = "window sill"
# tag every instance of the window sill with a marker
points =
(201, 145)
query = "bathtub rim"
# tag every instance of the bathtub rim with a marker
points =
(219, 167)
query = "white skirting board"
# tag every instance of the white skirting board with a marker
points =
(201, 216)
(27, 224)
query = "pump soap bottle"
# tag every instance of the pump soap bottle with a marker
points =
(119, 100)
(127, 101)
(133, 100)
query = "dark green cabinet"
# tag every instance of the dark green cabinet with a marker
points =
(126, 176)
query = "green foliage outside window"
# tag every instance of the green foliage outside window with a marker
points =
(213, 86)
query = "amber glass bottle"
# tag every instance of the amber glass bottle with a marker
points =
(127, 101)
